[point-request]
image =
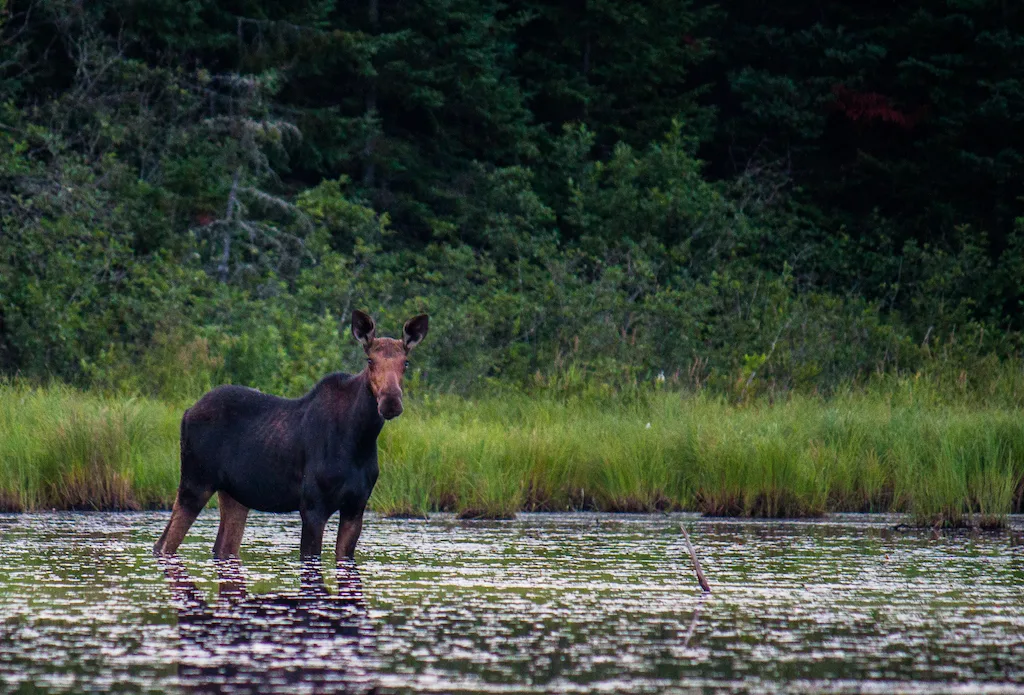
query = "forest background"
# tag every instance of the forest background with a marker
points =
(745, 197)
(744, 258)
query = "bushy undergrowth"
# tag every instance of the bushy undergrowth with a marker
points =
(905, 445)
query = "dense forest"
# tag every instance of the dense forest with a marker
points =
(751, 197)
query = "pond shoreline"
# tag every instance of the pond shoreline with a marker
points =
(892, 523)
(904, 451)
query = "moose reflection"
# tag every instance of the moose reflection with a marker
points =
(310, 641)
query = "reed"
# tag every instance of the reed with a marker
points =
(901, 450)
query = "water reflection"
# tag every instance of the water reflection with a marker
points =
(311, 641)
(577, 603)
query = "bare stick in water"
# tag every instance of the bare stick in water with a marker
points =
(696, 563)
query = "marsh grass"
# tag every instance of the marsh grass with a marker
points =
(904, 449)
(62, 449)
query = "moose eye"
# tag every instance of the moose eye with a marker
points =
(369, 360)
(407, 364)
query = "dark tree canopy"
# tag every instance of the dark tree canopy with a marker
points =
(793, 194)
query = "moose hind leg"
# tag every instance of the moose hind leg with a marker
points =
(187, 506)
(232, 525)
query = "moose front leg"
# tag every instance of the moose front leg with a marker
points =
(348, 535)
(312, 541)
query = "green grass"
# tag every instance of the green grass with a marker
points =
(898, 449)
(63, 449)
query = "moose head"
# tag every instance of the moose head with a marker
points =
(387, 358)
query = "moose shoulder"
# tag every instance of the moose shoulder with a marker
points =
(316, 455)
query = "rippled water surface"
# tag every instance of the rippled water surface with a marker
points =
(545, 603)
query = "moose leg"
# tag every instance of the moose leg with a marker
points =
(312, 541)
(232, 524)
(187, 506)
(348, 536)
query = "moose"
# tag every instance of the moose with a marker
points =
(316, 454)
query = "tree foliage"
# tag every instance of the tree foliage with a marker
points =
(780, 196)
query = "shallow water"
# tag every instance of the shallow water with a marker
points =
(545, 603)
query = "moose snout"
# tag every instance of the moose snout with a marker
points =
(390, 406)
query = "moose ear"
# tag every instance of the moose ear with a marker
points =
(415, 331)
(363, 328)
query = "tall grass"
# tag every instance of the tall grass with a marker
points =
(904, 448)
(60, 448)
(901, 448)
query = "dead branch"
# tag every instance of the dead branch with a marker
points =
(701, 579)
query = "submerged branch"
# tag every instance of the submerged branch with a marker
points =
(705, 587)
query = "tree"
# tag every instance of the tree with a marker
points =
(622, 69)
(898, 123)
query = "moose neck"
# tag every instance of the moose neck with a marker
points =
(364, 411)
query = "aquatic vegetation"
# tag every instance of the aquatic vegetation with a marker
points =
(900, 450)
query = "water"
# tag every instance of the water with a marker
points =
(546, 603)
